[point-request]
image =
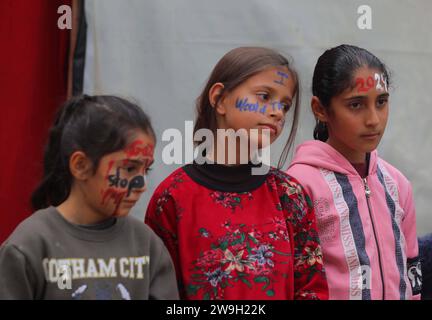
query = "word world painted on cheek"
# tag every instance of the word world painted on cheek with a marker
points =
(378, 80)
(282, 76)
(245, 105)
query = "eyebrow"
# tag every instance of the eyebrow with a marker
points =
(356, 97)
(382, 95)
(139, 162)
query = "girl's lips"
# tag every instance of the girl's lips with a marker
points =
(370, 136)
(129, 202)
(273, 128)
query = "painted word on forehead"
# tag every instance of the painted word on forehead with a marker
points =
(136, 182)
(245, 105)
(378, 81)
(282, 76)
(137, 148)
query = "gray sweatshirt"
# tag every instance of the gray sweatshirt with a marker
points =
(47, 257)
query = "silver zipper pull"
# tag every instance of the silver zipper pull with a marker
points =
(367, 190)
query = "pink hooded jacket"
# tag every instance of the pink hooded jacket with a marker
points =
(367, 226)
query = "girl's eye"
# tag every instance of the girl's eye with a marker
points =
(382, 102)
(131, 169)
(355, 105)
(264, 96)
(286, 107)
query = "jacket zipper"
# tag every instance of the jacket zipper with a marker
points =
(368, 193)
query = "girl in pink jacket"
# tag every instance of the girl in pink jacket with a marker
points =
(364, 206)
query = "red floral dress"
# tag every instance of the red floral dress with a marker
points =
(257, 244)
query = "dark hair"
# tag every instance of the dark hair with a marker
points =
(96, 125)
(233, 69)
(334, 73)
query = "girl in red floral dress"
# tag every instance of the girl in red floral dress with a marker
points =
(233, 234)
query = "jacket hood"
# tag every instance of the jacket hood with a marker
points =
(321, 155)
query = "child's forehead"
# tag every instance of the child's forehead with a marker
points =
(363, 79)
(271, 75)
(139, 147)
(273, 71)
(138, 150)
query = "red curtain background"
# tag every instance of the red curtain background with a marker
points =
(33, 83)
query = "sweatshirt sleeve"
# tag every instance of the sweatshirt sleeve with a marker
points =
(16, 277)
(163, 285)
(409, 230)
(309, 276)
(161, 217)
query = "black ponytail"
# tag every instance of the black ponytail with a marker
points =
(320, 131)
(96, 125)
(334, 73)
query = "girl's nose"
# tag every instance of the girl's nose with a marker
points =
(372, 118)
(276, 111)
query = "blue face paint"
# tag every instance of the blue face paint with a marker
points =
(279, 105)
(283, 76)
(245, 105)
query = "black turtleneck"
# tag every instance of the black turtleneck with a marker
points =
(237, 178)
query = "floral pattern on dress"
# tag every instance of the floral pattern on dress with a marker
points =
(166, 194)
(267, 249)
(229, 199)
(243, 254)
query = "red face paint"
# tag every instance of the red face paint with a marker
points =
(365, 84)
(120, 187)
(362, 85)
(117, 197)
(110, 164)
(137, 148)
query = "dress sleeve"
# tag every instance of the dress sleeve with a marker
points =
(309, 276)
(161, 216)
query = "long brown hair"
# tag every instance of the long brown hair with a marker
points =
(233, 69)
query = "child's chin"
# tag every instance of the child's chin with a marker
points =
(371, 147)
(121, 212)
(263, 143)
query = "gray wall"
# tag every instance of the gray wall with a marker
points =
(160, 52)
